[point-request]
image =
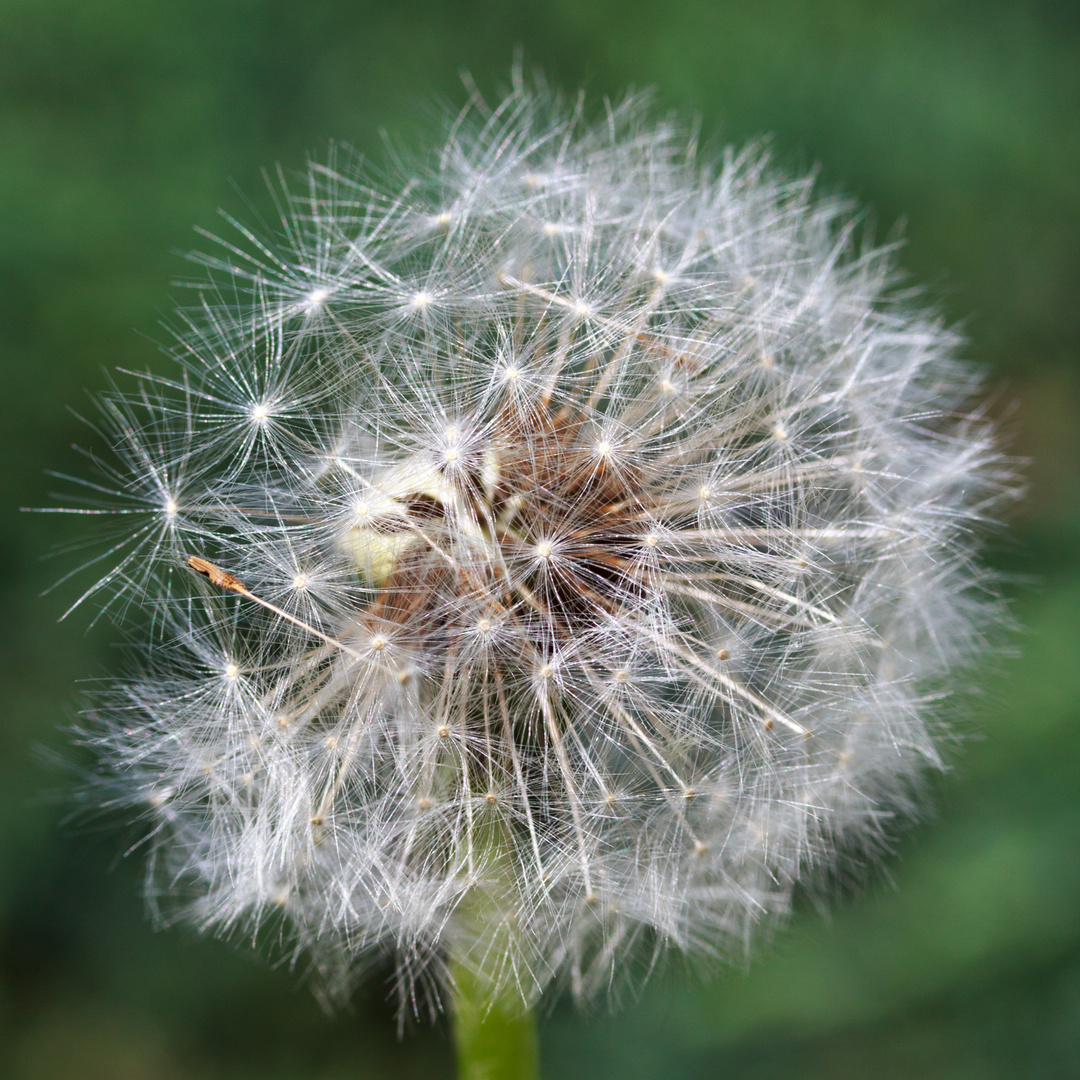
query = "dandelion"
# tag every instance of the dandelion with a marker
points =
(554, 559)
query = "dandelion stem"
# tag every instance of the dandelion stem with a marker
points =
(494, 1035)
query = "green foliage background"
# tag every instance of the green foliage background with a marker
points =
(122, 123)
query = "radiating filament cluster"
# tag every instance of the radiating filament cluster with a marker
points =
(553, 558)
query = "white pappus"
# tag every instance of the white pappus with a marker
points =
(555, 555)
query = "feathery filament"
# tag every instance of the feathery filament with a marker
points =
(580, 538)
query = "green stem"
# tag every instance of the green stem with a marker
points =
(494, 1036)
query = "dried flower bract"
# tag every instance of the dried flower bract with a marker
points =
(554, 556)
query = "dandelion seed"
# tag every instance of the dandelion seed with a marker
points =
(581, 575)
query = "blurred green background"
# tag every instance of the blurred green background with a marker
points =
(125, 122)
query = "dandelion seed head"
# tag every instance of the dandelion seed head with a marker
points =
(636, 515)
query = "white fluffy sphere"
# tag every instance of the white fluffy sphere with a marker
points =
(588, 530)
